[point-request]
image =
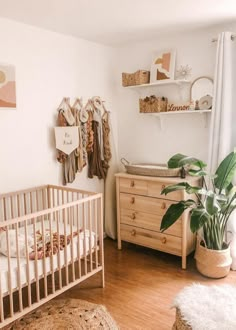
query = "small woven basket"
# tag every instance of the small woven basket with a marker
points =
(137, 78)
(153, 104)
(150, 169)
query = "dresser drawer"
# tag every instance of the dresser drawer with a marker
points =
(151, 239)
(144, 204)
(155, 188)
(148, 221)
(133, 186)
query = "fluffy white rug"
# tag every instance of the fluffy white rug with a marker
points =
(208, 307)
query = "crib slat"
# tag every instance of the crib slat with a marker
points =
(59, 253)
(96, 232)
(27, 266)
(51, 256)
(78, 242)
(101, 254)
(90, 235)
(12, 208)
(44, 260)
(36, 262)
(85, 241)
(9, 273)
(1, 300)
(19, 267)
(4, 209)
(65, 237)
(72, 242)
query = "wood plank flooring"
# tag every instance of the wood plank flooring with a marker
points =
(140, 286)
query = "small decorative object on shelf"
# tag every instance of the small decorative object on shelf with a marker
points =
(197, 105)
(153, 104)
(205, 102)
(184, 72)
(137, 78)
(178, 107)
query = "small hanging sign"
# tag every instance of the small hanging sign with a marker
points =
(67, 138)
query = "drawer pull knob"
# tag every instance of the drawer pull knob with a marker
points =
(163, 187)
(132, 201)
(132, 183)
(163, 240)
(163, 206)
(133, 232)
(133, 216)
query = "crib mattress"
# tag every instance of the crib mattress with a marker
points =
(85, 242)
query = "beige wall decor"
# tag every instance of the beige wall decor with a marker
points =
(7, 86)
(163, 66)
(67, 139)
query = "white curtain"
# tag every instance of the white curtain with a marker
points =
(222, 120)
(223, 128)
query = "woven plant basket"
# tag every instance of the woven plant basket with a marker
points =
(150, 169)
(212, 263)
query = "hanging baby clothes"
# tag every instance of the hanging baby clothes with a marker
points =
(84, 116)
(68, 161)
(94, 157)
(106, 141)
(79, 151)
(97, 161)
(89, 132)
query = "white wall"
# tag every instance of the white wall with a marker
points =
(49, 66)
(140, 137)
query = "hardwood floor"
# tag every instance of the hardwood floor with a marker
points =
(140, 286)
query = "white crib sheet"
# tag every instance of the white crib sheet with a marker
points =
(23, 263)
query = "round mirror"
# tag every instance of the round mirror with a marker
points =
(201, 93)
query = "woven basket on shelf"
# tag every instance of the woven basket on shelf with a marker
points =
(212, 263)
(153, 104)
(137, 78)
(150, 169)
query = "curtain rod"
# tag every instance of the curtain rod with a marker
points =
(233, 36)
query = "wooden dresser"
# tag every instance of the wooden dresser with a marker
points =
(140, 209)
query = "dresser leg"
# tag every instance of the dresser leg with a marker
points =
(184, 262)
(119, 244)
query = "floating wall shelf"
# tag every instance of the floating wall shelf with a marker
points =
(160, 83)
(161, 115)
(148, 89)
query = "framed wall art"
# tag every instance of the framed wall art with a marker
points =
(163, 66)
(7, 86)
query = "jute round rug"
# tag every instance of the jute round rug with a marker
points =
(67, 314)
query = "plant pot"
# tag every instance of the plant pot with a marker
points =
(212, 263)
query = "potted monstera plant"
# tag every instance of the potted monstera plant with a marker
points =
(210, 210)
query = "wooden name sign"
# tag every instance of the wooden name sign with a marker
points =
(178, 107)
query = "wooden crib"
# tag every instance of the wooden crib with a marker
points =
(65, 228)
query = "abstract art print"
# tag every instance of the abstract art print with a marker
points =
(163, 66)
(7, 86)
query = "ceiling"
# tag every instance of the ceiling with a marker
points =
(114, 22)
